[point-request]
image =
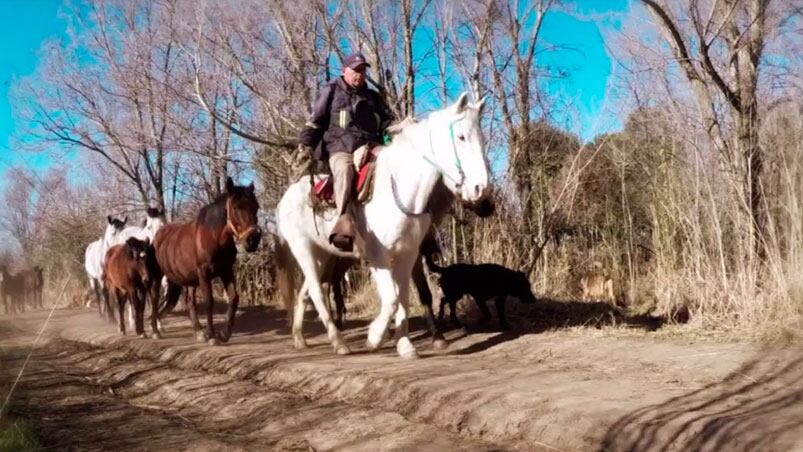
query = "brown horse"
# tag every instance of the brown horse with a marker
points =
(12, 291)
(193, 254)
(33, 282)
(128, 273)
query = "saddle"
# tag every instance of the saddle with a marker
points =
(323, 191)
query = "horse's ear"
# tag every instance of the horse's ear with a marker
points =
(147, 242)
(251, 187)
(131, 242)
(461, 103)
(125, 220)
(109, 219)
(229, 185)
(479, 105)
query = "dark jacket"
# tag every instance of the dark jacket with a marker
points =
(344, 119)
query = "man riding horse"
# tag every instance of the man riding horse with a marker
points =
(347, 119)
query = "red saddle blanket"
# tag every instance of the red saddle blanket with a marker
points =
(324, 188)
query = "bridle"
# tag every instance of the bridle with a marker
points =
(238, 235)
(432, 161)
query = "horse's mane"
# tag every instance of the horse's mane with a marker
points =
(403, 130)
(398, 127)
(213, 215)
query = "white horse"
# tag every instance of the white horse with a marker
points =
(95, 254)
(154, 221)
(447, 146)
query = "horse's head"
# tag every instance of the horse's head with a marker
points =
(459, 149)
(114, 227)
(154, 220)
(139, 252)
(241, 215)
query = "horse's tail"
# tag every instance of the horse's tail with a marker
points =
(286, 276)
(433, 267)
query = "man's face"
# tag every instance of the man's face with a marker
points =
(355, 77)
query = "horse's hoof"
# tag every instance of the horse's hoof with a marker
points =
(440, 344)
(299, 344)
(213, 341)
(200, 336)
(370, 345)
(222, 338)
(374, 340)
(342, 349)
(406, 349)
(156, 335)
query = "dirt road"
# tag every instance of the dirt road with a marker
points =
(88, 388)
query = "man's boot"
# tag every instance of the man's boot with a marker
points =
(342, 236)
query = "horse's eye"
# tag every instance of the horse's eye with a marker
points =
(461, 137)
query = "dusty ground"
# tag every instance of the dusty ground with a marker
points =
(88, 388)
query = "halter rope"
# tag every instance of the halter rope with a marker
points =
(238, 236)
(438, 168)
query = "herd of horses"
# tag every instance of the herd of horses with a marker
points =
(429, 164)
(21, 290)
(129, 265)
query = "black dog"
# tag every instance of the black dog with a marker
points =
(483, 282)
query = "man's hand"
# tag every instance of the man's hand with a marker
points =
(301, 161)
(359, 156)
(305, 150)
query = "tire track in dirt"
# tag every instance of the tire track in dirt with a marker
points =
(71, 413)
(82, 396)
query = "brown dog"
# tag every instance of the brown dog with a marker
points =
(597, 287)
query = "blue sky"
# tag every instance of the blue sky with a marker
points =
(26, 24)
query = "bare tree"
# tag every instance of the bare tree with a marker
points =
(721, 56)
(112, 93)
(17, 218)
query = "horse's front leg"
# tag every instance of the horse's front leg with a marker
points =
(230, 284)
(154, 290)
(404, 346)
(132, 320)
(389, 302)
(108, 303)
(138, 303)
(392, 285)
(205, 283)
(120, 310)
